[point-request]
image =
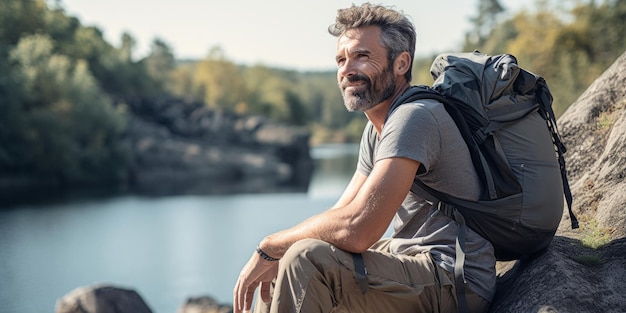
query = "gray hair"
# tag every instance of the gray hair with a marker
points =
(397, 31)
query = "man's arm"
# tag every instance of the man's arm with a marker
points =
(358, 179)
(362, 214)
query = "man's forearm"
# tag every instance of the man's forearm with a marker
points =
(327, 226)
(364, 218)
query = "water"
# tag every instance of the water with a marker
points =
(167, 249)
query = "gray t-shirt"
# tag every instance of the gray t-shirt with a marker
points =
(424, 132)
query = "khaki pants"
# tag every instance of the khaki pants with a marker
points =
(314, 276)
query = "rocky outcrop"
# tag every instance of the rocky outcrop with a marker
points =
(594, 130)
(182, 147)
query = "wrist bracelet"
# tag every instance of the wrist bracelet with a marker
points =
(264, 255)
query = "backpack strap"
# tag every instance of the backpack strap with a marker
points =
(459, 259)
(432, 195)
(360, 272)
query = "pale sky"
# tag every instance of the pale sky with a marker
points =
(283, 33)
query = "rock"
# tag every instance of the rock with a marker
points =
(102, 299)
(594, 130)
(204, 304)
(568, 277)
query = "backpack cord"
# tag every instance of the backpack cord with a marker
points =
(548, 115)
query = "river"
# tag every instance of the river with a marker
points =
(167, 248)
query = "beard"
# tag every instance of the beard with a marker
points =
(371, 93)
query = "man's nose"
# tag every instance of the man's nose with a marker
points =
(347, 69)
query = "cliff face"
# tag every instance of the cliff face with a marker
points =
(181, 147)
(594, 130)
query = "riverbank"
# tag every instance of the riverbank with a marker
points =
(177, 147)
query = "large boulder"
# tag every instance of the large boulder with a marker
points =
(102, 299)
(594, 130)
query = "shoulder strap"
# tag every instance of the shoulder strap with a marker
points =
(462, 121)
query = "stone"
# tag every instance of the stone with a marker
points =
(102, 299)
(204, 304)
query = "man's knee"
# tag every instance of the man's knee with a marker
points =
(309, 250)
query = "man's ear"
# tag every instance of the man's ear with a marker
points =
(402, 63)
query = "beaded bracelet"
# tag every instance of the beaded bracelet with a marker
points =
(264, 255)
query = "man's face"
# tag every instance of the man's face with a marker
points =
(365, 78)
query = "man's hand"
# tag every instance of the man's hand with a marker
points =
(257, 271)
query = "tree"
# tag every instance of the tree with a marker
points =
(68, 129)
(160, 62)
(218, 81)
(128, 44)
(18, 17)
(483, 23)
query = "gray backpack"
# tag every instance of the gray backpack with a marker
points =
(505, 116)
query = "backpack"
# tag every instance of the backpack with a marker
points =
(505, 116)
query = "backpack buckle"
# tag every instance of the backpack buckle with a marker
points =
(480, 136)
(446, 209)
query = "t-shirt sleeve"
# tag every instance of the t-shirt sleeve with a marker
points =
(412, 132)
(366, 151)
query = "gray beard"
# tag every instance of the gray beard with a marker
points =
(370, 95)
(358, 101)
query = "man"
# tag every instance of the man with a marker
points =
(335, 261)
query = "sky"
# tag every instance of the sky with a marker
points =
(280, 33)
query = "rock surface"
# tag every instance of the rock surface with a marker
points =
(567, 278)
(594, 130)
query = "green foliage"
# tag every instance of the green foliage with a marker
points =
(484, 21)
(594, 236)
(218, 82)
(18, 17)
(56, 123)
(160, 62)
(421, 71)
(569, 46)
(66, 127)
